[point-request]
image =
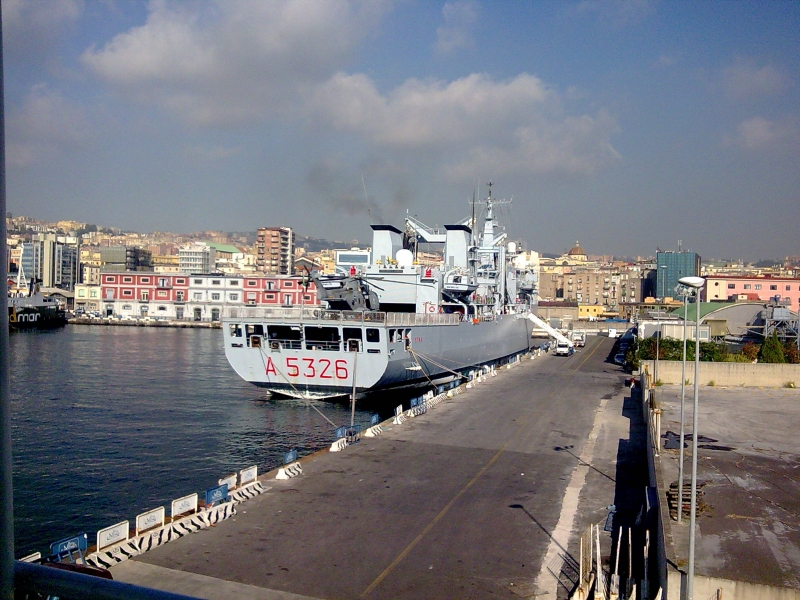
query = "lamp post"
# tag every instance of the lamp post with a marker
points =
(696, 283)
(683, 404)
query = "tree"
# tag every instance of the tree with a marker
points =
(771, 350)
(751, 350)
(790, 352)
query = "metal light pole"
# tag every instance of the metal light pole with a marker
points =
(696, 283)
(683, 404)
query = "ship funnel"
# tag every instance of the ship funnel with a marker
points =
(386, 241)
(456, 246)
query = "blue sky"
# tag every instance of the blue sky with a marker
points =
(625, 125)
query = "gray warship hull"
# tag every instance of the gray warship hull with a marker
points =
(316, 353)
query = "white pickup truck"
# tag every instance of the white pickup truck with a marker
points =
(579, 337)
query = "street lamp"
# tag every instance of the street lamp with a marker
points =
(696, 283)
(683, 404)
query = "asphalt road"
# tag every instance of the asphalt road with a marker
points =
(463, 502)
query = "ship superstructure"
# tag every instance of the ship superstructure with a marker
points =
(395, 323)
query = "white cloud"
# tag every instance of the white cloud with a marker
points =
(243, 62)
(514, 126)
(759, 133)
(744, 79)
(232, 62)
(459, 22)
(43, 126)
(32, 30)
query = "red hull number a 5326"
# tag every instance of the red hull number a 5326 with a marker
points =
(309, 368)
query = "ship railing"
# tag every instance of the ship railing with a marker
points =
(312, 314)
(409, 319)
(280, 344)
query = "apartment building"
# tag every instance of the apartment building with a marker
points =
(51, 260)
(275, 250)
(197, 257)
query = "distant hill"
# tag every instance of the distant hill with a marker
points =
(315, 244)
(311, 244)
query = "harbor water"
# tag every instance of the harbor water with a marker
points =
(108, 422)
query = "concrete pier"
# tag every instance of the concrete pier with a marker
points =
(483, 496)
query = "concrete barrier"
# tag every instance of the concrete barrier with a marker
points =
(727, 374)
(339, 445)
(295, 470)
(152, 539)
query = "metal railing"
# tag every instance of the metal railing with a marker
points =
(316, 314)
(37, 581)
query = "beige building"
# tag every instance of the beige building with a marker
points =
(572, 277)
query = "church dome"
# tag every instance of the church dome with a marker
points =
(577, 250)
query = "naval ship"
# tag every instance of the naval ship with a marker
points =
(394, 323)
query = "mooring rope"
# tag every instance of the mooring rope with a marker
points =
(301, 396)
(433, 362)
(414, 354)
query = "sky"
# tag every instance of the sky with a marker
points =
(626, 125)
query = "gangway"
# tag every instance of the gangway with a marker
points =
(551, 330)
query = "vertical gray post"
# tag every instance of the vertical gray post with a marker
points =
(6, 477)
(683, 404)
(695, 435)
(353, 393)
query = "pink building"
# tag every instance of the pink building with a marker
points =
(763, 287)
(196, 297)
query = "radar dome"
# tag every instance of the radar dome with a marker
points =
(512, 247)
(404, 258)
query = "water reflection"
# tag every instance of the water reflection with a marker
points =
(111, 421)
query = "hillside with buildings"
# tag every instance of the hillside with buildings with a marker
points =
(70, 259)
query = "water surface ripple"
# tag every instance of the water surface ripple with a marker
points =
(108, 422)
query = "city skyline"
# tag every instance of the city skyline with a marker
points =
(208, 234)
(625, 125)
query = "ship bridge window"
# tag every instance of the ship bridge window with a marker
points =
(373, 335)
(352, 338)
(254, 333)
(285, 336)
(323, 338)
(254, 329)
(236, 330)
(351, 333)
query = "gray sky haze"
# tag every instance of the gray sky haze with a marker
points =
(627, 125)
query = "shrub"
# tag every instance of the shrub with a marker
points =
(790, 352)
(750, 351)
(771, 351)
(738, 358)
